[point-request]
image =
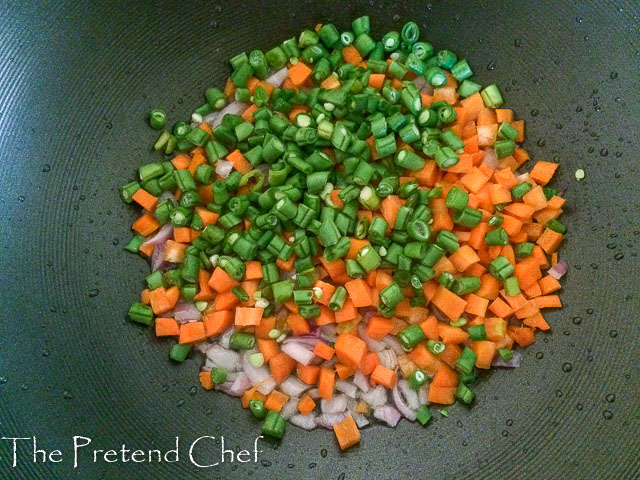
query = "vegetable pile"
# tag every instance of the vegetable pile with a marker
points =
(343, 234)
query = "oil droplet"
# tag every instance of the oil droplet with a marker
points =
(607, 414)
(578, 109)
(509, 422)
(115, 241)
(94, 292)
(67, 395)
(313, 465)
(559, 393)
(180, 403)
(567, 332)
(613, 75)
(3, 380)
(579, 406)
(323, 453)
(21, 199)
(518, 42)
(24, 386)
(266, 463)
(209, 411)
(589, 311)
(165, 388)
(491, 65)
(535, 112)
(541, 142)
(193, 390)
(567, 367)
(613, 333)
(46, 168)
(505, 433)
(619, 256)
(604, 152)
(46, 353)
(610, 398)
(559, 126)
(576, 320)
(539, 355)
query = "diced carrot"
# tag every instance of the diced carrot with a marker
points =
(205, 380)
(146, 225)
(523, 336)
(451, 354)
(247, 115)
(276, 400)
(326, 381)
(496, 328)
(504, 115)
(330, 83)
(216, 323)
(476, 305)
(281, 366)
(326, 316)
(450, 334)
(327, 291)
(350, 54)
(192, 332)
(240, 163)
(489, 287)
(343, 371)
(485, 351)
(221, 281)
(145, 199)
(347, 433)
(528, 272)
(463, 258)
(251, 394)
(166, 327)
(298, 324)
(359, 292)
(500, 308)
(449, 303)
(308, 373)
(384, 376)
(348, 312)
(226, 301)
(379, 327)
(548, 301)
(299, 73)
(323, 351)
(424, 359)
(536, 321)
(389, 209)
(350, 349)
(253, 271)
(430, 327)
(248, 316)
(306, 405)
(549, 284)
(549, 240)
(356, 246)
(445, 377)
(542, 172)
(266, 325)
(442, 395)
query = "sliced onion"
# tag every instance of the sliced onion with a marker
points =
(360, 419)
(258, 376)
(361, 381)
(298, 351)
(513, 363)
(328, 332)
(226, 336)
(294, 387)
(215, 118)
(423, 394)
(491, 158)
(387, 414)
(157, 257)
(393, 343)
(314, 393)
(223, 358)
(372, 345)
(559, 269)
(186, 312)
(337, 404)
(327, 420)
(306, 422)
(376, 397)
(401, 405)
(223, 168)
(368, 315)
(290, 408)
(165, 233)
(277, 78)
(388, 358)
(347, 388)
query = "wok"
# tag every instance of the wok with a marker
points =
(77, 81)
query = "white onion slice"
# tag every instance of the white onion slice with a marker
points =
(337, 404)
(277, 78)
(490, 158)
(223, 358)
(223, 168)
(327, 420)
(306, 422)
(293, 386)
(376, 397)
(347, 388)
(387, 414)
(559, 269)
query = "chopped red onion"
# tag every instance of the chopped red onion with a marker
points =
(360, 419)
(376, 397)
(361, 381)
(347, 388)
(226, 336)
(559, 269)
(513, 363)
(290, 408)
(388, 358)
(313, 393)
(185, 312)
(298, 350)
(294, 387)
(277, 78)
(222, 357)
(393, 343)
(328, 332)
(327, 420)
(405, 400)
(337, 404)
(491, 158)
(165, 233)
(238, 387)
(387, 414)
(306, 422)
(368, 315)
(223, 168)
(157, 257)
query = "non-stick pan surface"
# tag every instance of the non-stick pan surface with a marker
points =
(76, 82)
